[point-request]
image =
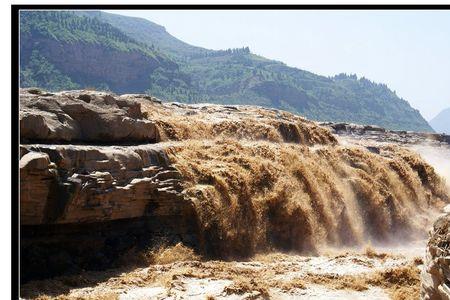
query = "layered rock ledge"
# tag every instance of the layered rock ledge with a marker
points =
(435, 277)
(77, 116)
(379, 134)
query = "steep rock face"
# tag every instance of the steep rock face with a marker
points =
(435, 276)
(82, 184)
(129, 71)
(82, 117)
(84, 207)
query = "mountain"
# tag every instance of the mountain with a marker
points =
(441, 123)
(63, 50)
(147, 32)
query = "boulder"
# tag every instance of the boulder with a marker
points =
(36, 175)
(83, 116)
(435, 276)
(34, 160)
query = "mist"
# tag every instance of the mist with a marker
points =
(436, 156)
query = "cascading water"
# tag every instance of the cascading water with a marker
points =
(257, 195)
(262, 179)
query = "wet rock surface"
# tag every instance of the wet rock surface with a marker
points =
(379, 134)
(435, 277)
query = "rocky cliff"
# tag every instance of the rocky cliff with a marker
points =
(78, 199)
(435, 278)
(102, 175)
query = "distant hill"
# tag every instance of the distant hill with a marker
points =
(147, 32)
(441, 123)
(61, 50)
(127, 54)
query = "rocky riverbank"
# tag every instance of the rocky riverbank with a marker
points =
(107, 178)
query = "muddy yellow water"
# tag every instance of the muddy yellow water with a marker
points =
(253, 195)
(177, 273)
(273, 193)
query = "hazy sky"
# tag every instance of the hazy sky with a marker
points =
(407, 50)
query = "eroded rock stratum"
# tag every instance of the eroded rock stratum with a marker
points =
(435, 277)
(103, 175)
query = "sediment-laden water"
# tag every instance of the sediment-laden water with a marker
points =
(284, 209)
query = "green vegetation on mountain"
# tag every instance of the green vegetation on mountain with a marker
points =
(63, 50)
(40, 72)
(149, 33)
(177, 71)
(71, 28)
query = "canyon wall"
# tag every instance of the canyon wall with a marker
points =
(435, 277)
